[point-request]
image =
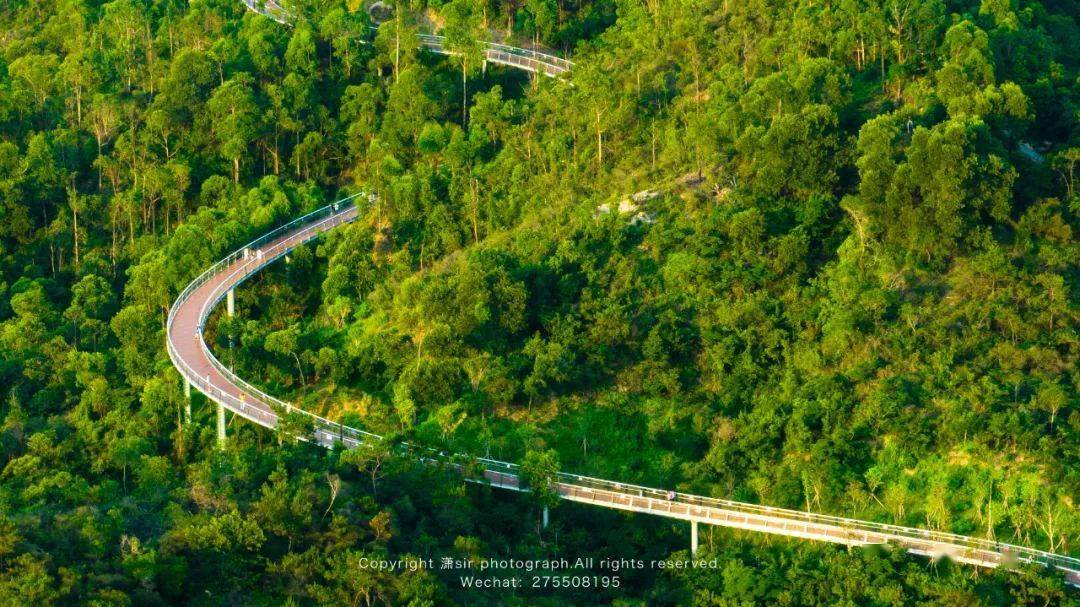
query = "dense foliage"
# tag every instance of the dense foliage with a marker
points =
(848, 284)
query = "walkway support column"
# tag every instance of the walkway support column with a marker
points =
(187, 401)
(230, 303)
(221, 426)
(546, 517)
(693, 538)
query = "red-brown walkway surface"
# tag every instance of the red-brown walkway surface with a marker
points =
(185, 341)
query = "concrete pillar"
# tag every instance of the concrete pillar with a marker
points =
(187, 401)
(230, 303)
(220, 426)
(546, 517)
(693, 538)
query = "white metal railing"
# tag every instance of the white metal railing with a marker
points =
(523, 58)
(269, 8)
(298, 230)
(527, 59)
(893, 532)
(283, 239)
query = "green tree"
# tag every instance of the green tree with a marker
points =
(464, 33)
(236, 119)
(539, 472)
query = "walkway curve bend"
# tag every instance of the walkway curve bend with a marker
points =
(200, 368)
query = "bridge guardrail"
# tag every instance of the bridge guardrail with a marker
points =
(315, 222)
(529, 59)
(268, 9)
(501, 53)
(1020, 553)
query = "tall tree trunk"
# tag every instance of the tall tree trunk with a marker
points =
(475, 212)
(75, 230)
(599, 142)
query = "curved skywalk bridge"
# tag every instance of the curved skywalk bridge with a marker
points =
(502, 54)
(201, 369)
